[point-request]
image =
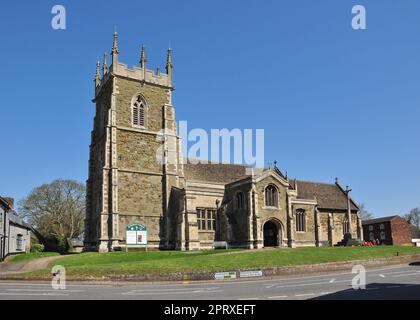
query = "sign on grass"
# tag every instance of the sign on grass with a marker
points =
(136, 234)
(225, 275)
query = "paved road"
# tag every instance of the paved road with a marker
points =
(402, 282)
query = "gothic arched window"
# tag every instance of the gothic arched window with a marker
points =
(300, 220)
(139, 112)
(240, 200)
(346, 226)
(271, 196)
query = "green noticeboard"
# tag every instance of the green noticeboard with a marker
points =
(136, 234)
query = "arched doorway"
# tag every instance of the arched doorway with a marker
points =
(271, 234)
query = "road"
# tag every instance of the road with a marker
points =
(399, 282)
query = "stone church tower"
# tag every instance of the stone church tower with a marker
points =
(134, 135)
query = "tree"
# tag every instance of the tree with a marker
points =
(56, 210)
(414, 217)
(364, 214)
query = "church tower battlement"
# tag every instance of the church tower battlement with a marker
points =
(130, 179)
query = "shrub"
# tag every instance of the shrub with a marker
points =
(36, 247)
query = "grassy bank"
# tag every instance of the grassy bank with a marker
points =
(121, 263)
(31, 256)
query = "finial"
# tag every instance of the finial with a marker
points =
(143, 57)
(105, 66)
(169, 59)
(115, 49)
(336, 180)
(275, 163)
(287, 176)
(98, 74)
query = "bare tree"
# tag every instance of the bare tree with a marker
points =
(364, 214)
(414, 217)
(56, 209)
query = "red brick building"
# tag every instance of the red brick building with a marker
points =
(392, 230)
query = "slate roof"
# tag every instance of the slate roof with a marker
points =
(329, 196)
(215, 172)
(379, 220)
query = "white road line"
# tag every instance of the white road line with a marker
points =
(42, 290)
(244, 299)
(332, 280)
(278, 297)
(33, 294)
(176, 289)
(131, 293)
(405, 275)
(305, 295)
(311, 284)
(325, 293)
(382, 276)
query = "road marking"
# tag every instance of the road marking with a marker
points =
(332, 280)
(312, 283)
(305, 295)
(325, 293)
(131, 293)
(250, 299)
(382, 276)
(278, 297)
(177, 289)
(43, 290)
(405, 275)
(34, 294)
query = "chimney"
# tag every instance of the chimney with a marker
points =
(10, 201)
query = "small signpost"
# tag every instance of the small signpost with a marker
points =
(136, 235)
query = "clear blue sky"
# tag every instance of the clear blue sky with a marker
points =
(333, 101)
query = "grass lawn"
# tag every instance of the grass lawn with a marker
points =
(121, 263)
(31, 256)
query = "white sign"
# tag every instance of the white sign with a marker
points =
(136, 234)
(131, 237)
(225, 275)
(251, 274)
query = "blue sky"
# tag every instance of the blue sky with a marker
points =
(334, 102)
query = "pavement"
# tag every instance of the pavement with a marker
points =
(390, 283)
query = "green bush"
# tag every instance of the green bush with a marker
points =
(36, 247)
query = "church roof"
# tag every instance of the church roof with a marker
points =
(215, 172)
(328, 196)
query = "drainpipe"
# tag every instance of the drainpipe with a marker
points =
(4, 236)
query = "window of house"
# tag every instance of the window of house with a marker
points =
(383, 235)
(300, 220)
(382, 227)
(370, 228)
(19, 242)
(240, 200)
(346, 226)
(271, 196)
(139, 113)
(206, 219)
(371, 236)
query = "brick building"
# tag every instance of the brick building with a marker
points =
(137, 174)
(392, 230)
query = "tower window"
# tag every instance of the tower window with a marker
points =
(139, 113)
(271, 196)
(240, 200)
(300, 220)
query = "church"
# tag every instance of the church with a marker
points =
(185, 205)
